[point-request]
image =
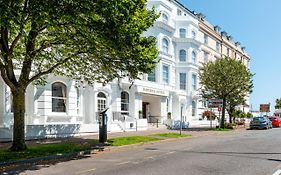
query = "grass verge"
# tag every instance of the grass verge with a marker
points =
(120, 141)
(41, 151)
(171, 135)
(220, 129)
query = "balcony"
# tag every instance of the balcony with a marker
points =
(165, 26)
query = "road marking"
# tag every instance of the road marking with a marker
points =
(278, 172)
(122, 163)
(86, 171)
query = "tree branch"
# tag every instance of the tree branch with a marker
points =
(50, 70)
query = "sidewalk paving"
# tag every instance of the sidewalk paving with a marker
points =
(195, 132)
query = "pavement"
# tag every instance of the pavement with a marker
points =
(152, 130)
(195, 132)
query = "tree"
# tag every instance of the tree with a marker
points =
(232, 102)
(278, 103)
(225, 78)
(87, 40)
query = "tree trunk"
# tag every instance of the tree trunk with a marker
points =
(19, 120)
(230, 112)
(223, 113)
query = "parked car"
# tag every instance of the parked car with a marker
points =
(260, 123)
(276, 121)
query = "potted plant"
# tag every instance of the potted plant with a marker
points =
(140, 113)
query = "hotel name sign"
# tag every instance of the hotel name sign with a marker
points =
(153, 91)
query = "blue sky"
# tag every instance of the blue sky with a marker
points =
(257, 25)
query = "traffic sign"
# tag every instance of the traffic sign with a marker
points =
(264, 107)
(215, 103)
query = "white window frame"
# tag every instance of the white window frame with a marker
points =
(193, 34)
(182, 33)
(182, 84)
(193, 56)
(125, 103)
(206, 39)
(165, 45)
(165, 75)
(152, 76)
(165, 18)
(182, 57)
(194, 82)
(206, 56)
(64, 97)
(101, 101)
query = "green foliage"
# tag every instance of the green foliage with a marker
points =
(278, 103)
(249, 115)
(41, 150)
(223, 79)
(209, 115)
(90, 41)
(171, 135)
(119, 141)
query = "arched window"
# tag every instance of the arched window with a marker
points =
(165, 18)
(193, 108)
(101, 101)
(194, 56)
(182, 33)
(165, 45)
(193, 34)
(182, 55)
(124, 102)
(59, 98)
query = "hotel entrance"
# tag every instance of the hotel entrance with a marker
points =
(145, 109)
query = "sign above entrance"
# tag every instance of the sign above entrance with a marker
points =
(153, 91)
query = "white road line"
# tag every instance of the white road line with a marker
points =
(85, 171)
(278, 172)
(122, 163)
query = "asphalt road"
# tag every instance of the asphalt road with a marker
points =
(246, 152)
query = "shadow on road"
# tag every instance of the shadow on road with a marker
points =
(241, 154)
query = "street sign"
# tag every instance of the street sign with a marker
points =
(214, 103)
(264, 107)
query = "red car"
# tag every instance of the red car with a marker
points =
(276, 121)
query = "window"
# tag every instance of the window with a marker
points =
(218, 47)
(101, 101)
(179, 12)
(125, 102)
(58, 97)
(194, 82)
(151, 76)
(182, 33)
(8, 100)
(165, 18)
(206, 57)
(165, 74)
(78, 100)
(206, 38)
(227, 52)
(193, 108)
(193, 34)
(182, 55)
(194, 56)
(183, 81)
(165, 45)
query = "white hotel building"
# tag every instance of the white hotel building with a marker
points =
(184, 39)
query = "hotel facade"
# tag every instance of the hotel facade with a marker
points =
(185, 40)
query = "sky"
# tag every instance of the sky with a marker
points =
(256, 24)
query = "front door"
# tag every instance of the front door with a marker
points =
(145, 109)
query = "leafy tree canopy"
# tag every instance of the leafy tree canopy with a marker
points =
(278, 103)
(223, 79)
(88, 40)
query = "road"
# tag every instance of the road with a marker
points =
(246, 152)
